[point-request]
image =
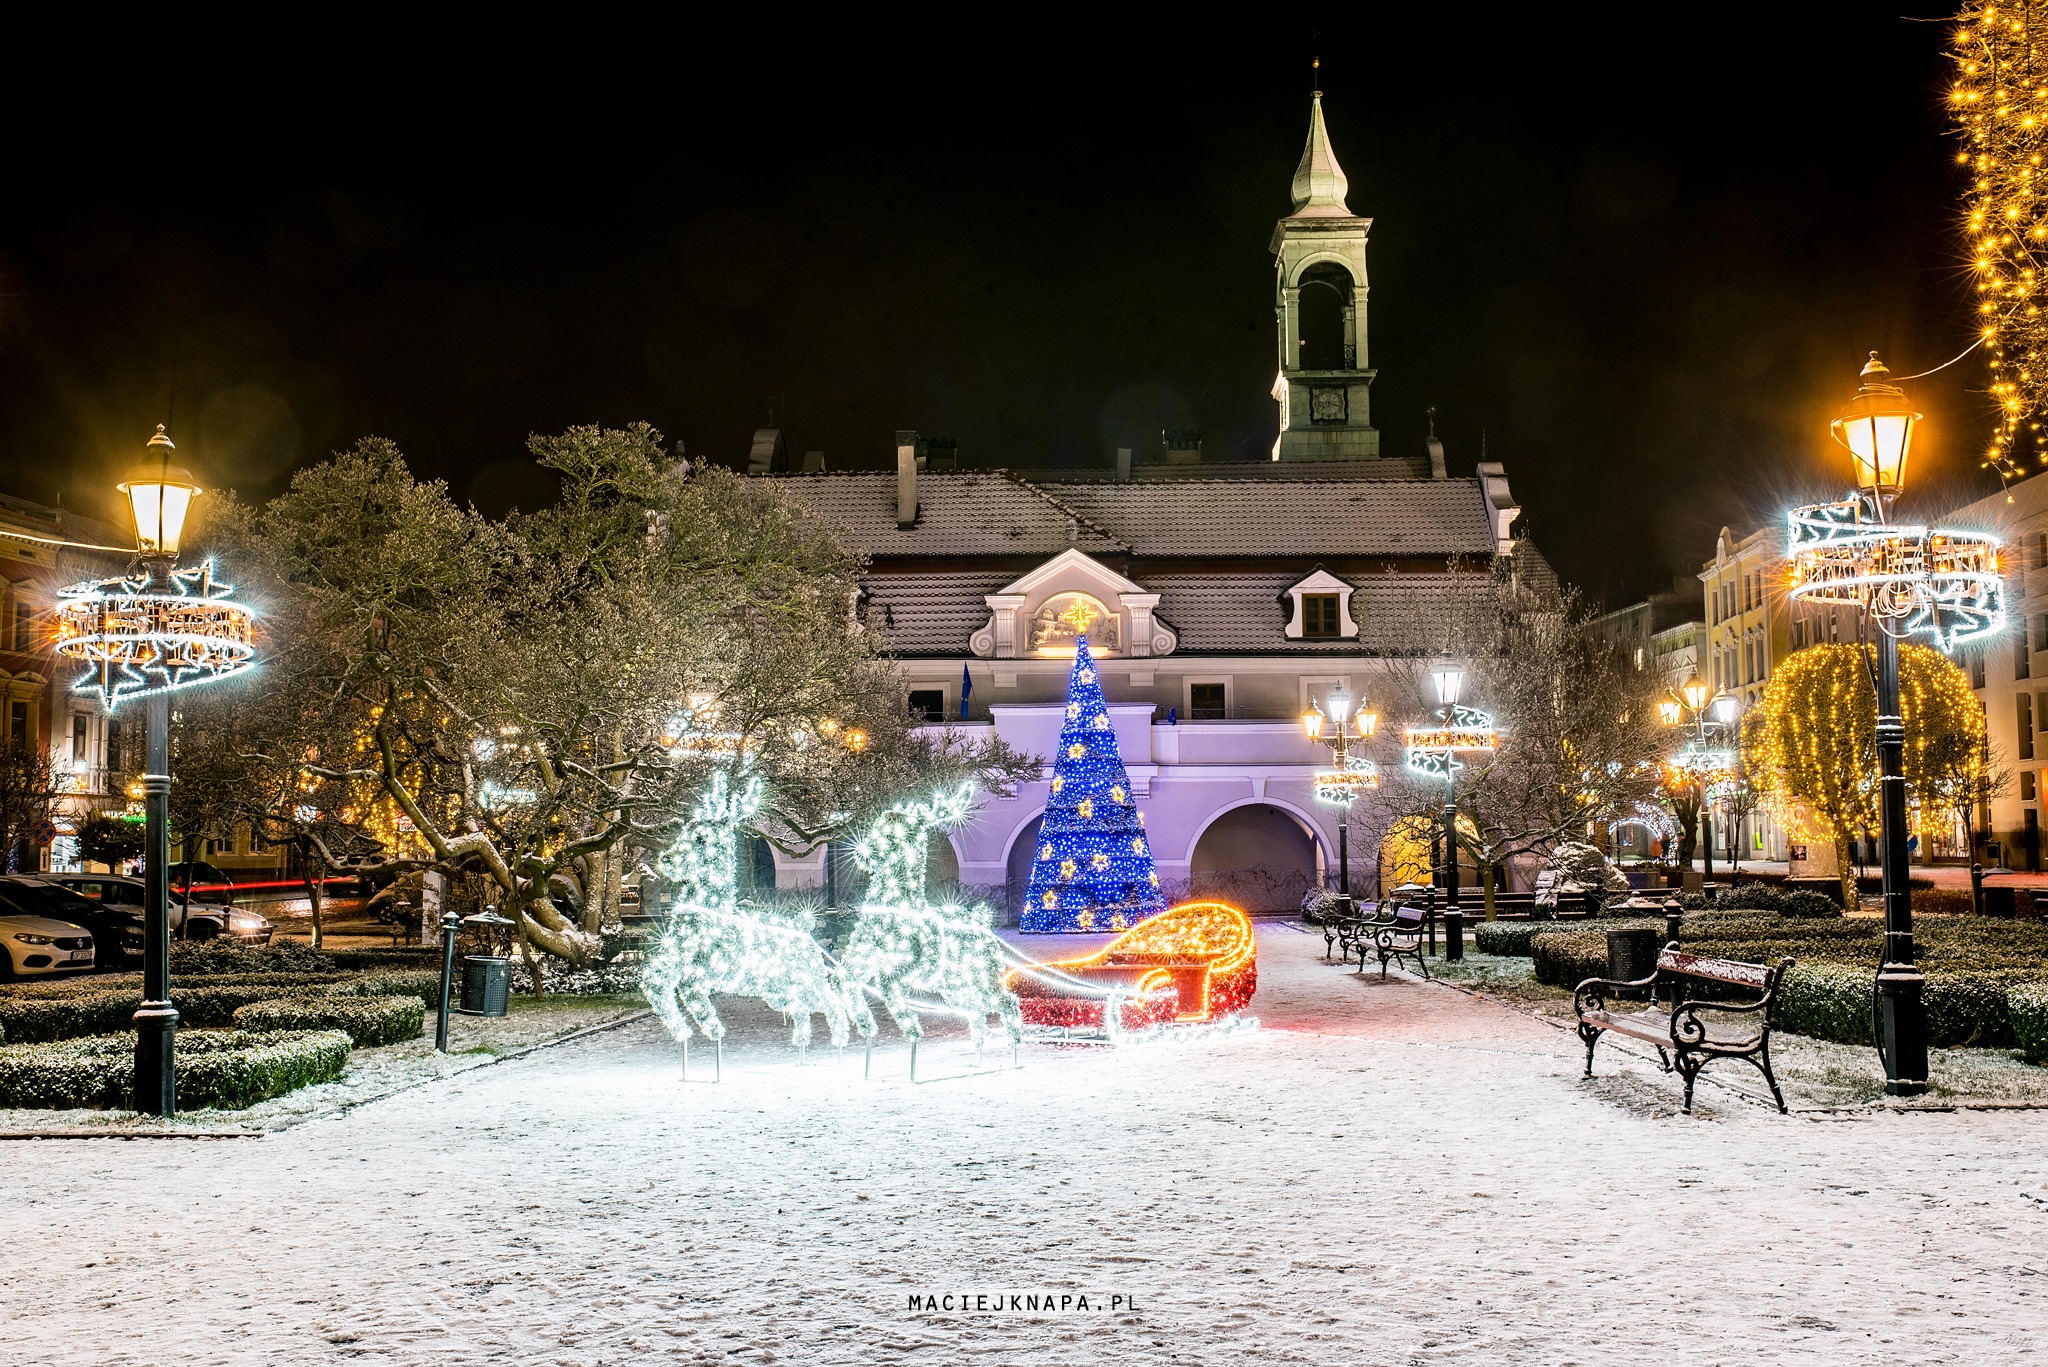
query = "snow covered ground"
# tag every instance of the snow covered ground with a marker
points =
(1382, 1173)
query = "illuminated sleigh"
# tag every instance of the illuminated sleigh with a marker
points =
(1191, 963)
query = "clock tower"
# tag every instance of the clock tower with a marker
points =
(1324, 387)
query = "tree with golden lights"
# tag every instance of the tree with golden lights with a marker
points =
(1810, 743)
(1999, 102)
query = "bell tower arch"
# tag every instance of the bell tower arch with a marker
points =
(1324, 387)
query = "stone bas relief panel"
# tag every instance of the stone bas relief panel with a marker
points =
(1063, 619)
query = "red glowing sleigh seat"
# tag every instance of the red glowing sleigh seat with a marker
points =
(1193, 962)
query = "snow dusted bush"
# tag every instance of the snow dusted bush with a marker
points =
(412, 983)
(2027, 1004)
(222, 956)
(1566, 958)
(1318, 904)
(226, 1069)
(396, 958)
(1511, 937)
(370, 1022)
(25, 1019)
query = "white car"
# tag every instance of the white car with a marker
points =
(195, 920)
(36, 946)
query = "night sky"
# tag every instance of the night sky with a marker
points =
(1645, 261)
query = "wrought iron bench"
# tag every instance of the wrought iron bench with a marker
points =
(1341, 933)
(1396, 935)
(1689, 1034)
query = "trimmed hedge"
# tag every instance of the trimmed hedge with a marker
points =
(425, 986)
(36, 1020)
(396, 958)
(217, 1069)
(1511, 937)
(2027, 1008)
(369, 1021)
(190, 957)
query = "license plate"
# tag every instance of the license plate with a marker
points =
(80, 954)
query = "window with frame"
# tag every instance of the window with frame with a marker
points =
(1976, 667)
(1207, 701)
(2020, 668)
(78, 725)
(114, 761)
(2026, 785)
(2023, 747)
(1319, 615)
(17, 725)
(24, 627)
(927, 704)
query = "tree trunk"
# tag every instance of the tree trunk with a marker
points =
(1847, 867)
(316, 895)
(1486, 882)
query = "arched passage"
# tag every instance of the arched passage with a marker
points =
(1325, 297)
(1017, 868)
(1259, 856)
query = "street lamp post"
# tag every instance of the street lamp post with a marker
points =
(144, 634)
(159, 497)
(1353, 774)
(1433, 751)
(1908, 579)
(1703, 760)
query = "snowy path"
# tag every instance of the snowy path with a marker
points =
(1384, 1173)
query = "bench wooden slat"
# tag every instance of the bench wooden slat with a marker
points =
(1757, 976)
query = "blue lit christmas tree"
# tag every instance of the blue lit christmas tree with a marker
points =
(1092, 870)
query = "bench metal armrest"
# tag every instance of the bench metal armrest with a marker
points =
(1593, 992)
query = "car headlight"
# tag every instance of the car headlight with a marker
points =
(28, 939)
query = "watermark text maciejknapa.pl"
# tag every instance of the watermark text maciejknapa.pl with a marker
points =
(1007, 1302)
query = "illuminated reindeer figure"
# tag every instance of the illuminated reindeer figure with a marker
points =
(903, 944)
(710, 946)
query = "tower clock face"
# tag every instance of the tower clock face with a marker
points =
(1326, 403)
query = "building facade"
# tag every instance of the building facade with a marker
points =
(1220, 600)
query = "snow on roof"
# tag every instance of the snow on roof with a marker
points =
(993, 512)
(963, 512)
(1228, 517)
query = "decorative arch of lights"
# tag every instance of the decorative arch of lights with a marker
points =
(1913, 580)
(1432, 751)
(1652, 819)
(1342, 786)
(138, 636)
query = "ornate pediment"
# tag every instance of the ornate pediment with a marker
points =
(1071, 595)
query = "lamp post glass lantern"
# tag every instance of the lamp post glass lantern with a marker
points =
(1352, 775)
(1910, 580)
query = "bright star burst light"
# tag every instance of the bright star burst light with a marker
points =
(1093, 867)
(2000, 106)
(137, 639)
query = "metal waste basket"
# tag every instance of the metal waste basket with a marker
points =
(486, 986)
(1632, 954)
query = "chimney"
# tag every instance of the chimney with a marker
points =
(814, 462)
(1436, 459)
(1123, 465)
(906, 479)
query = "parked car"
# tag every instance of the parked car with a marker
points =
(36, 946)
(116, 931)
(196, 920)
(210, 880)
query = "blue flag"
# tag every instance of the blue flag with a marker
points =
(966, 691)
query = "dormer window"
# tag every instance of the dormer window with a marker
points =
(1319, 609)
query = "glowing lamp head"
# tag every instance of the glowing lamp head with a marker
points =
(1726, 708)
(1877, 427)
(1312, 722)
(160, 495)
(1447, 677)
(1367, 722)
(1695, 691)
(1338, 705)
(1670, 709)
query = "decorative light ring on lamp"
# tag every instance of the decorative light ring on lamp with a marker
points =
(136, 640)
(1912, 579)
(1343, 786)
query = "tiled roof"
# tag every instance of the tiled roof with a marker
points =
(1337, 517)
(989, 512)
(965, 512)
(927, 614)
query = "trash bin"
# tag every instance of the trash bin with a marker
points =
(1632, 954)
(2001, 899)
(486, 986)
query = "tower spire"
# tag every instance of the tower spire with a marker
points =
(1319, 183)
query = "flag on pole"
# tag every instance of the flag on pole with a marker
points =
(966, 691)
